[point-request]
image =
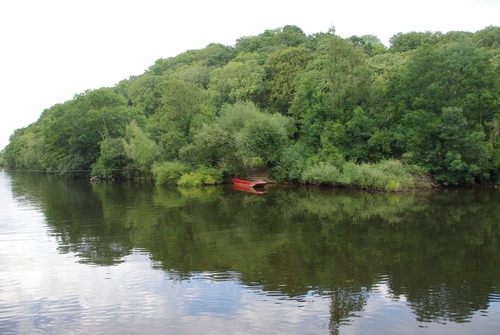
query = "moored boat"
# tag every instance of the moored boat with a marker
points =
(248, 182)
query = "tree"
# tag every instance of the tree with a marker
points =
(72, 131)
(370, 44)
(403, 42)
(451, 74)
(444, 145)
(283, 67)
(348, 77)
(271, 40)
(141, 149)
(488, 37)
(143, 95)
(182, 106)
(242, 79)
(113, 162)
(241, 132)
(333, 85)
(25, 149)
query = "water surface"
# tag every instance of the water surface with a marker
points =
(129, 258)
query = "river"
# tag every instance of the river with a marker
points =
(130, 258)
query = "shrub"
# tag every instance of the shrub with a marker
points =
(389, 175)
(112, 162)
(190, 179)
(321, 173)
(292, 164)
(168, 173)
(350, 175)
(202, 176)
(372, 176)
(210, 176)
(392, 185)
(140, 148)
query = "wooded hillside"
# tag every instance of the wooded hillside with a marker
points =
(317, 108)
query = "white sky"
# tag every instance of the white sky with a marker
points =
(53, 49)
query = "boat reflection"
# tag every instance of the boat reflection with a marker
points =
(258, 190)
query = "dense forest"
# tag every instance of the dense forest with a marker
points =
(317, 109)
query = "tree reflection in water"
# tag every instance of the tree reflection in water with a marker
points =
(437, 249)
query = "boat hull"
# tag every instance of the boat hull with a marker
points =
(249, 183)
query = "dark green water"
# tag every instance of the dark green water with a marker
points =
(129, 258)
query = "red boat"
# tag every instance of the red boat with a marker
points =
(248, 182)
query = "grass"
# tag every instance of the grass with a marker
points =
(388, 175)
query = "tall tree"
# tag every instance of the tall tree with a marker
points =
(182, 106)
(242, 79)
(332, 87)
(403, 42)
(283, 67)
(143, 94)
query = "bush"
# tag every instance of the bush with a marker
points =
(350, 174)
(392, 186)
(140, 148)
(321, 173)
(389, 175)
(112, 162)
(396, 175)
(292, 163)
(168, 173)
(190, 179)
(202, 176)
(371, 176)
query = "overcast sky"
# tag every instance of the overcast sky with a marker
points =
(53, 49)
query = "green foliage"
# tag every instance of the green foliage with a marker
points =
(191, 179)
(213, 54)
(241, 79)
(283, 67)
(453, 153)
(182, 107)
(292, 162)
(348, 76)
(488, 37)
(257, 162)
(241, 133)
(329, 154)
(203, 175)
(271, 40)
(388, 175)
(25, 150)
(67, 136)
(370, 44)
(195, 74)
(331, 88)
(263, 136)
(403, 42)
(140, 148)
(143, 94)
(113, 161)
(351, 138)
(452, 74)
(431, 99)
(321, 173)
(168, 173)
